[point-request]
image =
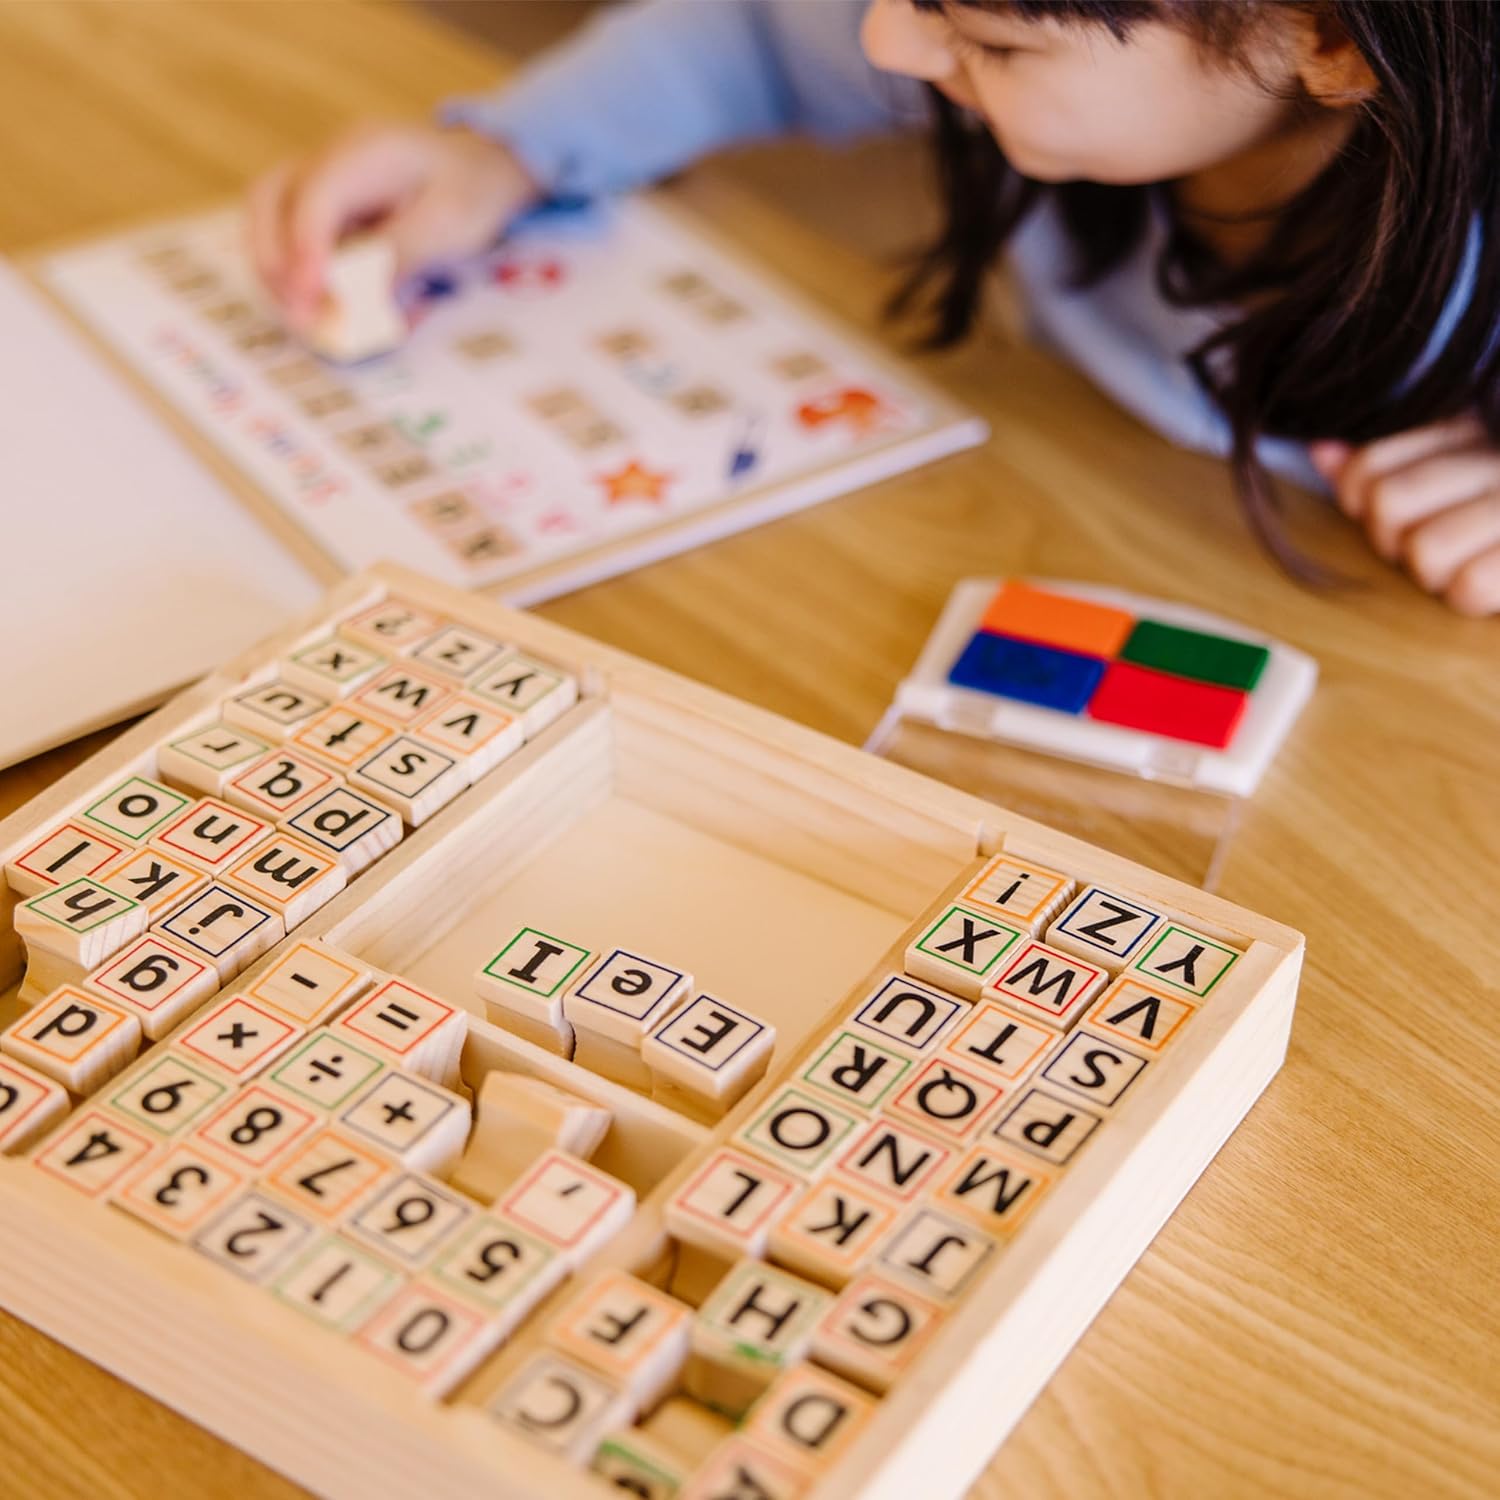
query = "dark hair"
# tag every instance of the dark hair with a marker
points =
(1358, 268)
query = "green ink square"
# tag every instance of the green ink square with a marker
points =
(533, 989)
(947, 941)
(1196, 654)
(1143, 964)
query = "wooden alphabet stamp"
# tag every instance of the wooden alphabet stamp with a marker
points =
(561, 1405)
(1142, 1016)
(280, 784)
(523, 986)
(225, 927)
(30, 1104)
(634, 1335)
(874, 1331)
(995, 1186)
(273, 710)
(757, 1322)
(1105, 928)
(857, 1071)
(135, 810)
(809, 1417)
(82, 922)
(75, 1039)
(1047, 1125)
(908, 1016)
(1017, 891)
(613, 1007)
(569, 1205)
(213, 835)
(706, 1055)
(166, 1095)
(729, 1205)
(1185, 961)
(1046, 984)
(352, 827)
(158, 980)
(68, 852)
(960, 950)
(1095, 1069)
(936, 1253)
(798, 1131)
(893, 1159)
(207, 759)
(831, 1231)
(153, 877)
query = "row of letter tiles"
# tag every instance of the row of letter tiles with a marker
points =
(921, 1101)
(620, 1347)
(272, 834)
(628, 1017)
(988, 943)
(444, 705)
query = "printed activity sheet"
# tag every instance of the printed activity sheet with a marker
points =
(604, 388)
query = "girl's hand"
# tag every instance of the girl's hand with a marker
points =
(1430, 499)
(434, 193)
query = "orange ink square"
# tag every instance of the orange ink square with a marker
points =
(1034, 614)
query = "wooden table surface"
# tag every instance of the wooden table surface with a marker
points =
(1320, 1317)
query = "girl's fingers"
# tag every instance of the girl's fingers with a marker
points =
(1397, 501)
(316, 214)
(1365, 466)
(264, 218)
(419, 232)
(1329, 457)
(1437, 550)
(363, 177)
(1475, 589)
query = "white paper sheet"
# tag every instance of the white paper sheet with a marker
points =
(126, 567)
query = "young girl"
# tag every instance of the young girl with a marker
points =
(1270, 229)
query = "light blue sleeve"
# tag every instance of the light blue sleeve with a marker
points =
(647, 88)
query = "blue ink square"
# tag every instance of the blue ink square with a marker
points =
(1010, 668)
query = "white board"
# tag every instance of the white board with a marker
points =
(126, 568)
(604, 388)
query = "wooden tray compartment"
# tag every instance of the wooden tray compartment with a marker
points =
(784, 869)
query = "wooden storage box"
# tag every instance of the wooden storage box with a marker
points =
(786, 870)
